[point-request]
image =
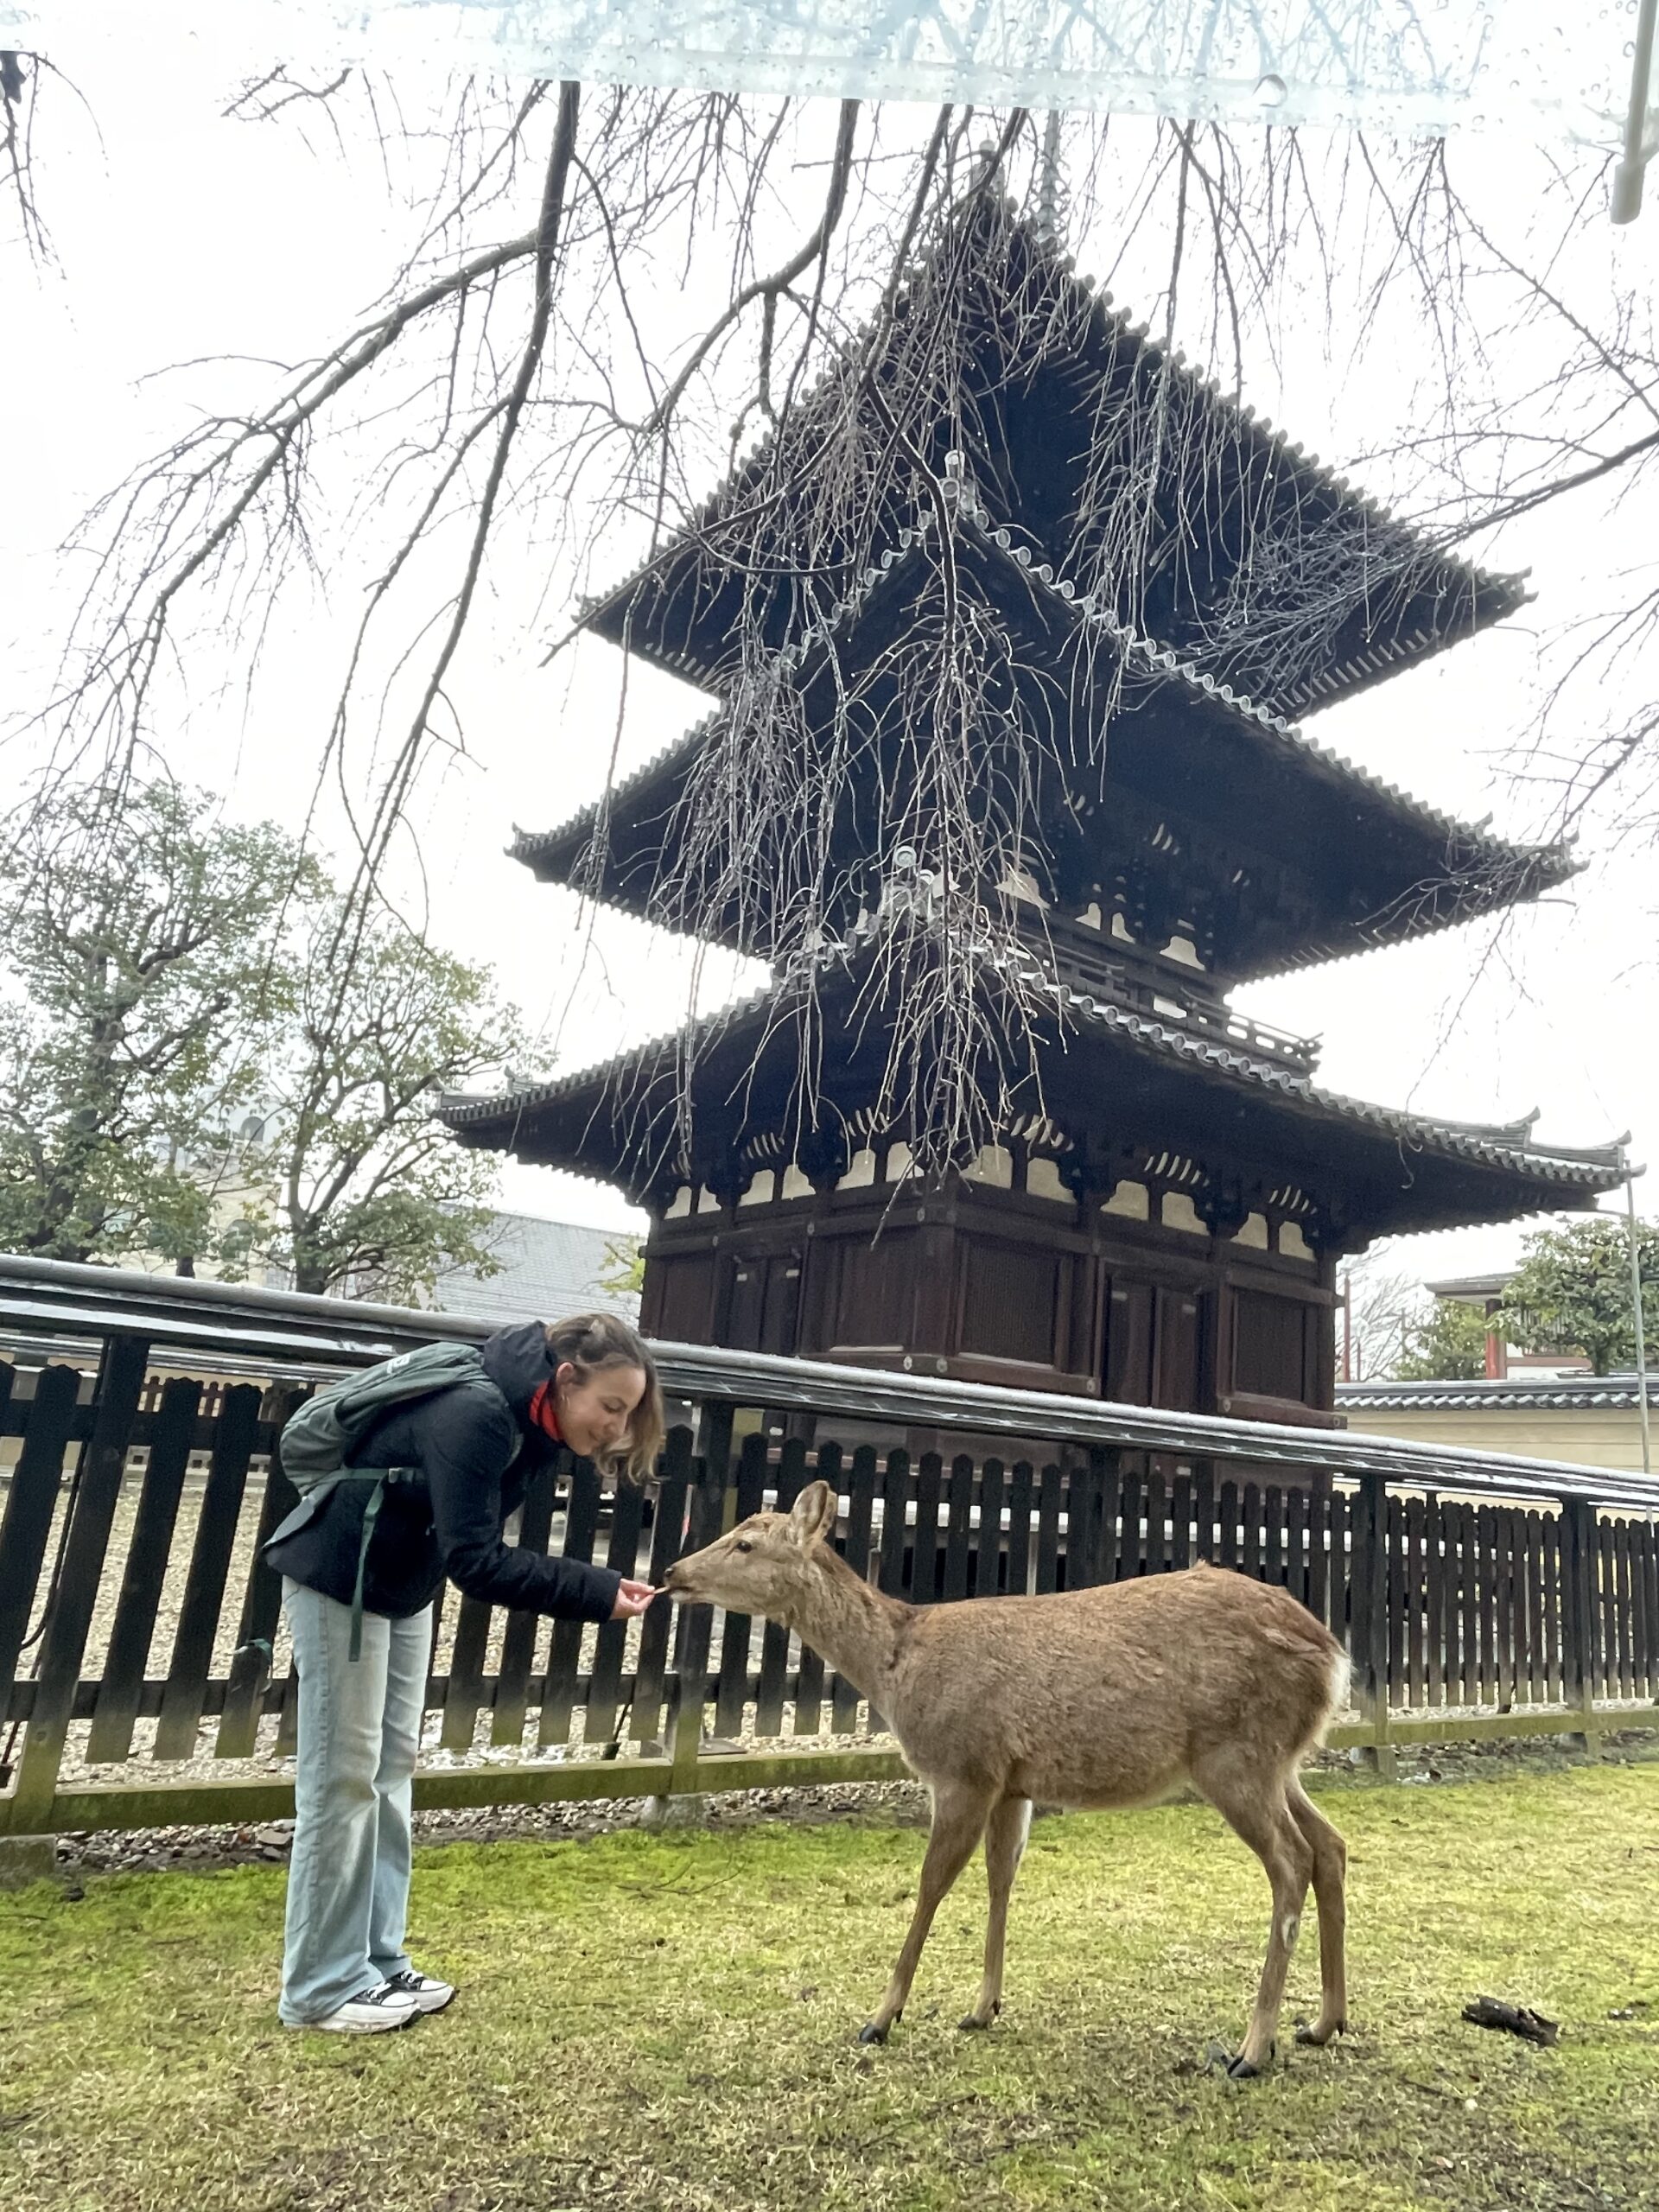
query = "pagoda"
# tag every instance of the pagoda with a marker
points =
(1157, 1215)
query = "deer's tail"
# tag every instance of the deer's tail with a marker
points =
(1338, 1674)
(1320, 1667)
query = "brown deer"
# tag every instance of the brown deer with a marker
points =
(1112, 1696)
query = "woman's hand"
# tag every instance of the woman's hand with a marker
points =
(632, 1600)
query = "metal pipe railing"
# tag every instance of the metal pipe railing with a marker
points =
(46, 1297)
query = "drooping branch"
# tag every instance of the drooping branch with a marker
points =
(389, 806)
(21, 78)
(577, 384)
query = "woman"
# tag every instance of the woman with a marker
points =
(590, 1383)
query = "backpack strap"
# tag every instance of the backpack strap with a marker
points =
(379, 1477)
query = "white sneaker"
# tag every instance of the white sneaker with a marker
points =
(430, 1995)
(371, 2012)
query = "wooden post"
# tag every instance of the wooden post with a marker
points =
(98, 1490)
(1580, 1641)
(1369, 1619)
(31, 1503)
(710, 1477)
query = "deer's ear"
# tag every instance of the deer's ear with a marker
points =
(813, 1514)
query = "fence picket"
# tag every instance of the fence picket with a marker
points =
(145, 1572)
(262, 1601)
(844, 1701)
(809, 1690)
(69, 1615)
(775, 1638)
(737, 1635)
(667, 1541)
(522, 1627)
(558, 1697)
(203, 1591)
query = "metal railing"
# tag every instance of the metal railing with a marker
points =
(143, 1671)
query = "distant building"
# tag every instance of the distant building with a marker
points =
(1485, 1292)
(548, 1270)
(1593, 1421)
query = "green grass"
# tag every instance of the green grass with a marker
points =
(669, 2022)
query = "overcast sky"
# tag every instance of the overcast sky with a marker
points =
(183, 235)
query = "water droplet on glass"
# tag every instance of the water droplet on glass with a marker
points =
(1270, 92)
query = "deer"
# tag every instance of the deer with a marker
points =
(1110, 1697)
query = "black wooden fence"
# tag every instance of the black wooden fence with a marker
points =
(144, 1677)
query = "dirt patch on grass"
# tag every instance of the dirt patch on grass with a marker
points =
(669, 2021)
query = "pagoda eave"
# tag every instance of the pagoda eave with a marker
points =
(1104, 1073)
(1168, 732)
(1095, 365)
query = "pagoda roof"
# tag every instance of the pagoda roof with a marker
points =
(1398, 1171)
(1093, 367)
(1394, 867)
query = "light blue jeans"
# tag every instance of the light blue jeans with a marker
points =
(360, 1730)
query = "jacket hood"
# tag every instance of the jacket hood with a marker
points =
(515, 1360)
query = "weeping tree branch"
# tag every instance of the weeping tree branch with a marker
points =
(603, 399)
(21, 75)
(510, 415)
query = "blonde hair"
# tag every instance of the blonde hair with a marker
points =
(592, 1342)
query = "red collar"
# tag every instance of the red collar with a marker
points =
(544, 1411)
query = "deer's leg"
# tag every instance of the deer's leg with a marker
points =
(1005, 1840)
(1261, 1815)
(1329, 1873)
(959, 1823)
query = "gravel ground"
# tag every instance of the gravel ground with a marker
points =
(902, 1804)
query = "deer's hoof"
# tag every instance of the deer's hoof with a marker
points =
(1316, 2038)
(871, 2033)
(970, 2025)
(1219, 2060)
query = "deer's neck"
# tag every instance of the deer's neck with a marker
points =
(858, 1631)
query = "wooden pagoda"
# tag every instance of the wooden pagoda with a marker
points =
(1159, 1218)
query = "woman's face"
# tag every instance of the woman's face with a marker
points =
(594, 1409)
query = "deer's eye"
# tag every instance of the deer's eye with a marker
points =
(744, 1545)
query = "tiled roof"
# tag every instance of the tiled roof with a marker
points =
(1505, 1146)
(1528, 867)
(1269, 446)
(1575, 1394)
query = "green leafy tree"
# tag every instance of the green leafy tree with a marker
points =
(1573, 1291)
(1447, 1345)
(374, 1197)
(160, 973)
(139, 994)
(625, 1265)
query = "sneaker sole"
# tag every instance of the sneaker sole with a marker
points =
(391, 2027)
(427, 2006)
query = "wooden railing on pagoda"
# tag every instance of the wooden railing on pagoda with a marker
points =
(145, 1678)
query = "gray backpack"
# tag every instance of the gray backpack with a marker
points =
(321, 1434)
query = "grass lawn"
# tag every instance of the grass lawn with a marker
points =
(670, 2021)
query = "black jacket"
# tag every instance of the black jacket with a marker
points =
(450, 1524)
